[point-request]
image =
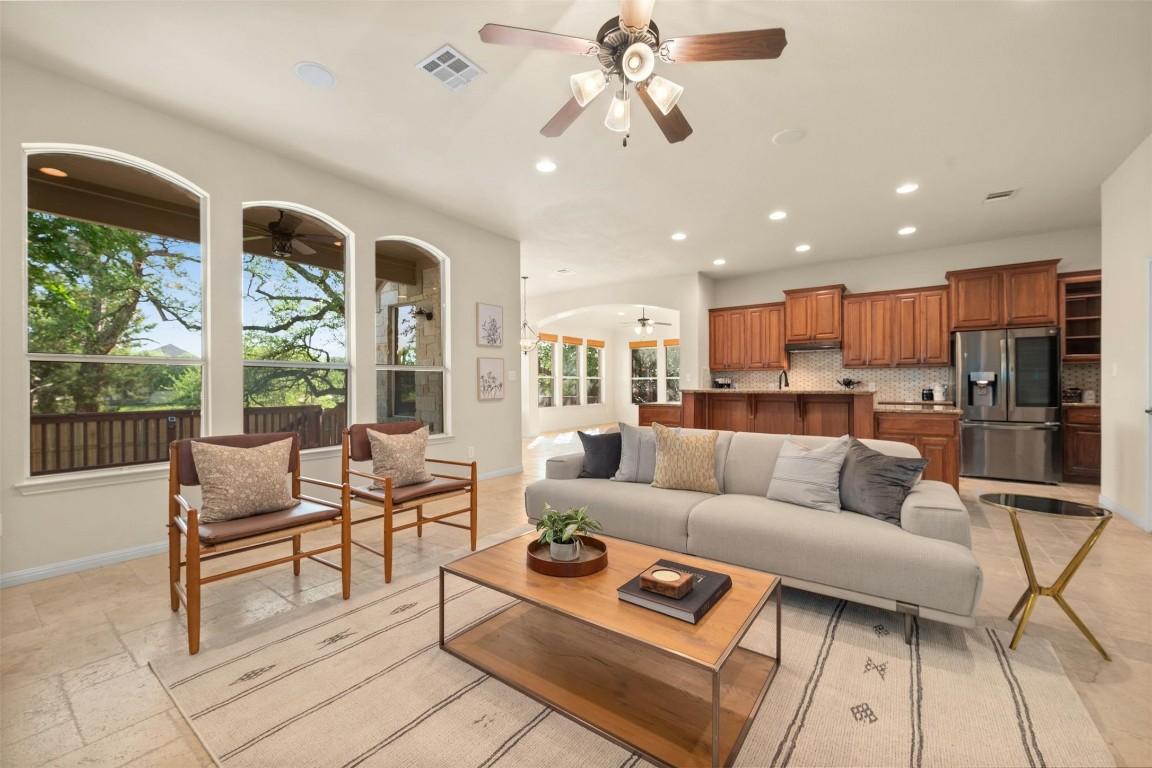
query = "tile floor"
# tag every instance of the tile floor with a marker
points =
(75, 688)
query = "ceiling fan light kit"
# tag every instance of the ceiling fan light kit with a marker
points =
(627, 46)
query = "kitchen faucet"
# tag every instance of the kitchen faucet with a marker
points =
(782, 379)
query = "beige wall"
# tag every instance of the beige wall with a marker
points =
(90, 522)
(1125, 384)
(1076, 248)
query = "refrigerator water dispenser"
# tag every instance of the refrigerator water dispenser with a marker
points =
(982, 388)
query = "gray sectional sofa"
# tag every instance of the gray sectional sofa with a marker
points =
(923, 567)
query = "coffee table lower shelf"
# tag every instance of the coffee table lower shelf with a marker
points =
(631, 693)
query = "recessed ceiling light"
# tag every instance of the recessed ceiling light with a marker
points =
(314, 74)
(803, 248)
(53, 172)
(905, 230)
(789, 136)
(679, 236)
(621, 314)
(777, 215)
(545, 166)
(905, 189)
(719, 262)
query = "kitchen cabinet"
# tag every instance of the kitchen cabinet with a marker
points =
(779, 412)
(920, 333)
(1080, 299)
(667, 414)
(1081, 445)
(935, 435)
(813, 314)
(747, 338)
(1013, 296)
(868, 332)
(826, 415)
(727, 345)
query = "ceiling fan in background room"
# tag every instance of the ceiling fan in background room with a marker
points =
(627, 47)
(285, 238)
(644, 324)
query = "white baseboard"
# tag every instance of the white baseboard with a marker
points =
(1117, 509)
(81, 564)
(500, 472)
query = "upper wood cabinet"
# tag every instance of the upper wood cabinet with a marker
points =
(920, 327)
(868, 331)
(747, 338)
(1014, 296)
(813, 314)
(1080, 316)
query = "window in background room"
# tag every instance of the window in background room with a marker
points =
(545, 371)
(644, 373)
(672, 370)
(295, 343)
(570, 378)
(410, 366)
(114, 313)
(593, 361)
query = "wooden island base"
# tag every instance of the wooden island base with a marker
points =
(831, 414)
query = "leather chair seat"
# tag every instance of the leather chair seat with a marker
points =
(304, 513)
(408, 493)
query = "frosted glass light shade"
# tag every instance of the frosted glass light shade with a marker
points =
(619, 116)
(587, 86)
(636, 330)
(637, 62)
(664, 93)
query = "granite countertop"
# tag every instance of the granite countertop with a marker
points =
(786, 391)
(1081, 405)
(927, 408)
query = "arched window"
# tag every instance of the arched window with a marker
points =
(114, 310)
(295, 331)
(411, 337)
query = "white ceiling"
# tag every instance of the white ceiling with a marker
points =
(608, 316)
(965, 98)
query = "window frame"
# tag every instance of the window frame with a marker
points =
(591, 346)
(670, 344)
(578, 379)
(551, 378)
(643, 346)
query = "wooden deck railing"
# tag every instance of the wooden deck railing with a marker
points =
(72, 442)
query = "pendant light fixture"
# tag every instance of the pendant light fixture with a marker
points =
(528, 337)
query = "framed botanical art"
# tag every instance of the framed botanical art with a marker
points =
(491, 378)
(489, 325)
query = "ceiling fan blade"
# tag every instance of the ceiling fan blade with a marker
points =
(635, 14)
(257, 237)
(326, 239)
(562, 119)
(532, 38)
(288, 222)
(661, 322)
(673, 125)
(300, 247)
(725, 46)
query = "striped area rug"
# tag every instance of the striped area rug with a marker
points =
(364, 682)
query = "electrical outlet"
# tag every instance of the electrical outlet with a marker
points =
(471, 452)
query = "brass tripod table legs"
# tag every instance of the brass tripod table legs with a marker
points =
(1027, 600)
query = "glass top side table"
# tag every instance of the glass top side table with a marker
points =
(1040, 505)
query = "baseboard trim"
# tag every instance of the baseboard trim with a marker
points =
(1118, 509)
(81, 564)
(500, 473)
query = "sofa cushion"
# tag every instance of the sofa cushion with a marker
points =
(876, 485)
(637, 454)
(853, 552)
(685, 462)
(654, 516)
(808, 476)
(601, 454)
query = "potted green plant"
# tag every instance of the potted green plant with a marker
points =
(560, 531)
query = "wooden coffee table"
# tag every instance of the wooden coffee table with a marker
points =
(678, 693)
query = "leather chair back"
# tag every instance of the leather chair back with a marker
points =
(186, 466)
(359, 449)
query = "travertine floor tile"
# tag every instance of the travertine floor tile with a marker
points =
(122, 746)
(32, 709)
(113, 705)
(43, 747)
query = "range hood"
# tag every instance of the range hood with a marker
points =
(811, 346)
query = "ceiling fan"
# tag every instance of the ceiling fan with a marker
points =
(644, 324)
(286, 239)
(627, 47)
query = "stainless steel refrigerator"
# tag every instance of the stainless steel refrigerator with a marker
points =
(1008, 387)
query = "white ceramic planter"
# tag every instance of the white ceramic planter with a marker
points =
(564, 552)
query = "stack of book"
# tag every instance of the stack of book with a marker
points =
(708, 587)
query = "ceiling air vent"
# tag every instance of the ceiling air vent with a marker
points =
(450, 68)
(993, 197)
(565, 272)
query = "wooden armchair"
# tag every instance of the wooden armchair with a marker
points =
(211, 540)
(393, 501)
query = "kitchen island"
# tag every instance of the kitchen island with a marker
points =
(827, 412)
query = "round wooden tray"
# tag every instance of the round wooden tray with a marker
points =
(593, 558)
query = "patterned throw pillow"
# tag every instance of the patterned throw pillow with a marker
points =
(241, 482)
(400, 457)
(809, 477)
(685, 462)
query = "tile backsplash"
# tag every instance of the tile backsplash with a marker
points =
(820, 370)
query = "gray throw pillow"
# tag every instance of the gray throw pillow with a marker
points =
(809, 477)
(637, 455)
(601, 454)
(875, 484)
